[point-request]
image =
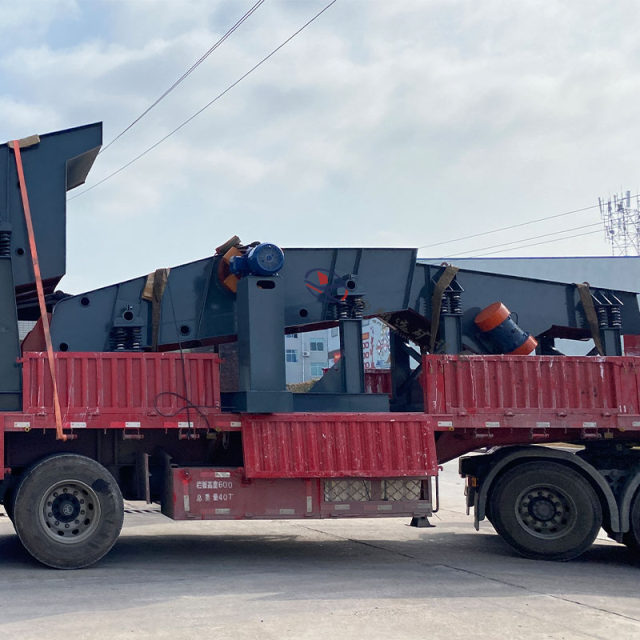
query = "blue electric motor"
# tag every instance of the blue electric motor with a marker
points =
(265, 259)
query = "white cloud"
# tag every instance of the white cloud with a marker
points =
(32, 18)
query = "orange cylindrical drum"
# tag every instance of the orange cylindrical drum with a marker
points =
(497, 324)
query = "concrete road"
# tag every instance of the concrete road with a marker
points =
(373, 579)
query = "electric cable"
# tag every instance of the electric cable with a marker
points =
(544, 235)
(512, 226)
(535, 244)
(188, 72)
(524, 246)
(209, 104)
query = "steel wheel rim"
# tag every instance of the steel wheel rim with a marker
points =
(69, 511)
(546, 512)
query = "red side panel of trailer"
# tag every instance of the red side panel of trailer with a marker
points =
(214, 494)
(145, 384)
(513, 386)
(334, 445)
(472, 401)
(480, 401)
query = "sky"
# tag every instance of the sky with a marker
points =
(408, 123)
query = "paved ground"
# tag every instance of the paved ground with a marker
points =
(373, 579)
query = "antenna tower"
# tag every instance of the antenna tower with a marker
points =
(622, 223)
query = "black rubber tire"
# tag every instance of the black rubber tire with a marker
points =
(632, 537)
(545, 510)
(99, 500)
(7, 503)
(10, 498)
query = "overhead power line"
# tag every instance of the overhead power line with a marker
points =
(535, 244)
(188, 72)
(524, 246)
(544, 235)
(512, 226)
(209, 104)
(630, 218)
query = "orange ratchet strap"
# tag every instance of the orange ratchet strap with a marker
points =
(43, 307)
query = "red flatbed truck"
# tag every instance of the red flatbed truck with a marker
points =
(319, 465)
(110, 399)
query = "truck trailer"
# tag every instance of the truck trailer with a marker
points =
(171, 387)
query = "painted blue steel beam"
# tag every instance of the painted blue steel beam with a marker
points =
(197, 308)
(57, 163)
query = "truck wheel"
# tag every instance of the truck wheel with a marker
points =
(9, 500)
(7, 503)
(68, 511)
(546, 511)
(632, 537)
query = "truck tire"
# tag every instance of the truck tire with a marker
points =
(9, 500)
(632, 537)
(7, 503)
(545, 510)
(68, 511)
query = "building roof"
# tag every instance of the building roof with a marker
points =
(606, 272)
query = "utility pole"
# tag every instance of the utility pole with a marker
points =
(622, 223)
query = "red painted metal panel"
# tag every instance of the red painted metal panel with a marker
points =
(219, 494)
(132, 384)
(531, 391)
(222, 494)
(329, 445)
(377, 381)
(631, 345)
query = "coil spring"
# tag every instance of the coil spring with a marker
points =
(126, 339)
(136, 338)
(5, 244)
(615, 317)
(456, 303)
(357, 307)
(118, 339)
(603, 320)
(451, 303)
(350, 308)
(338, 310)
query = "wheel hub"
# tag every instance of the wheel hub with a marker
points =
(66, 507)
(545, 512)
(542, 509)
(69, 511)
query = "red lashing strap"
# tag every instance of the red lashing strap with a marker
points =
(43, 307)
